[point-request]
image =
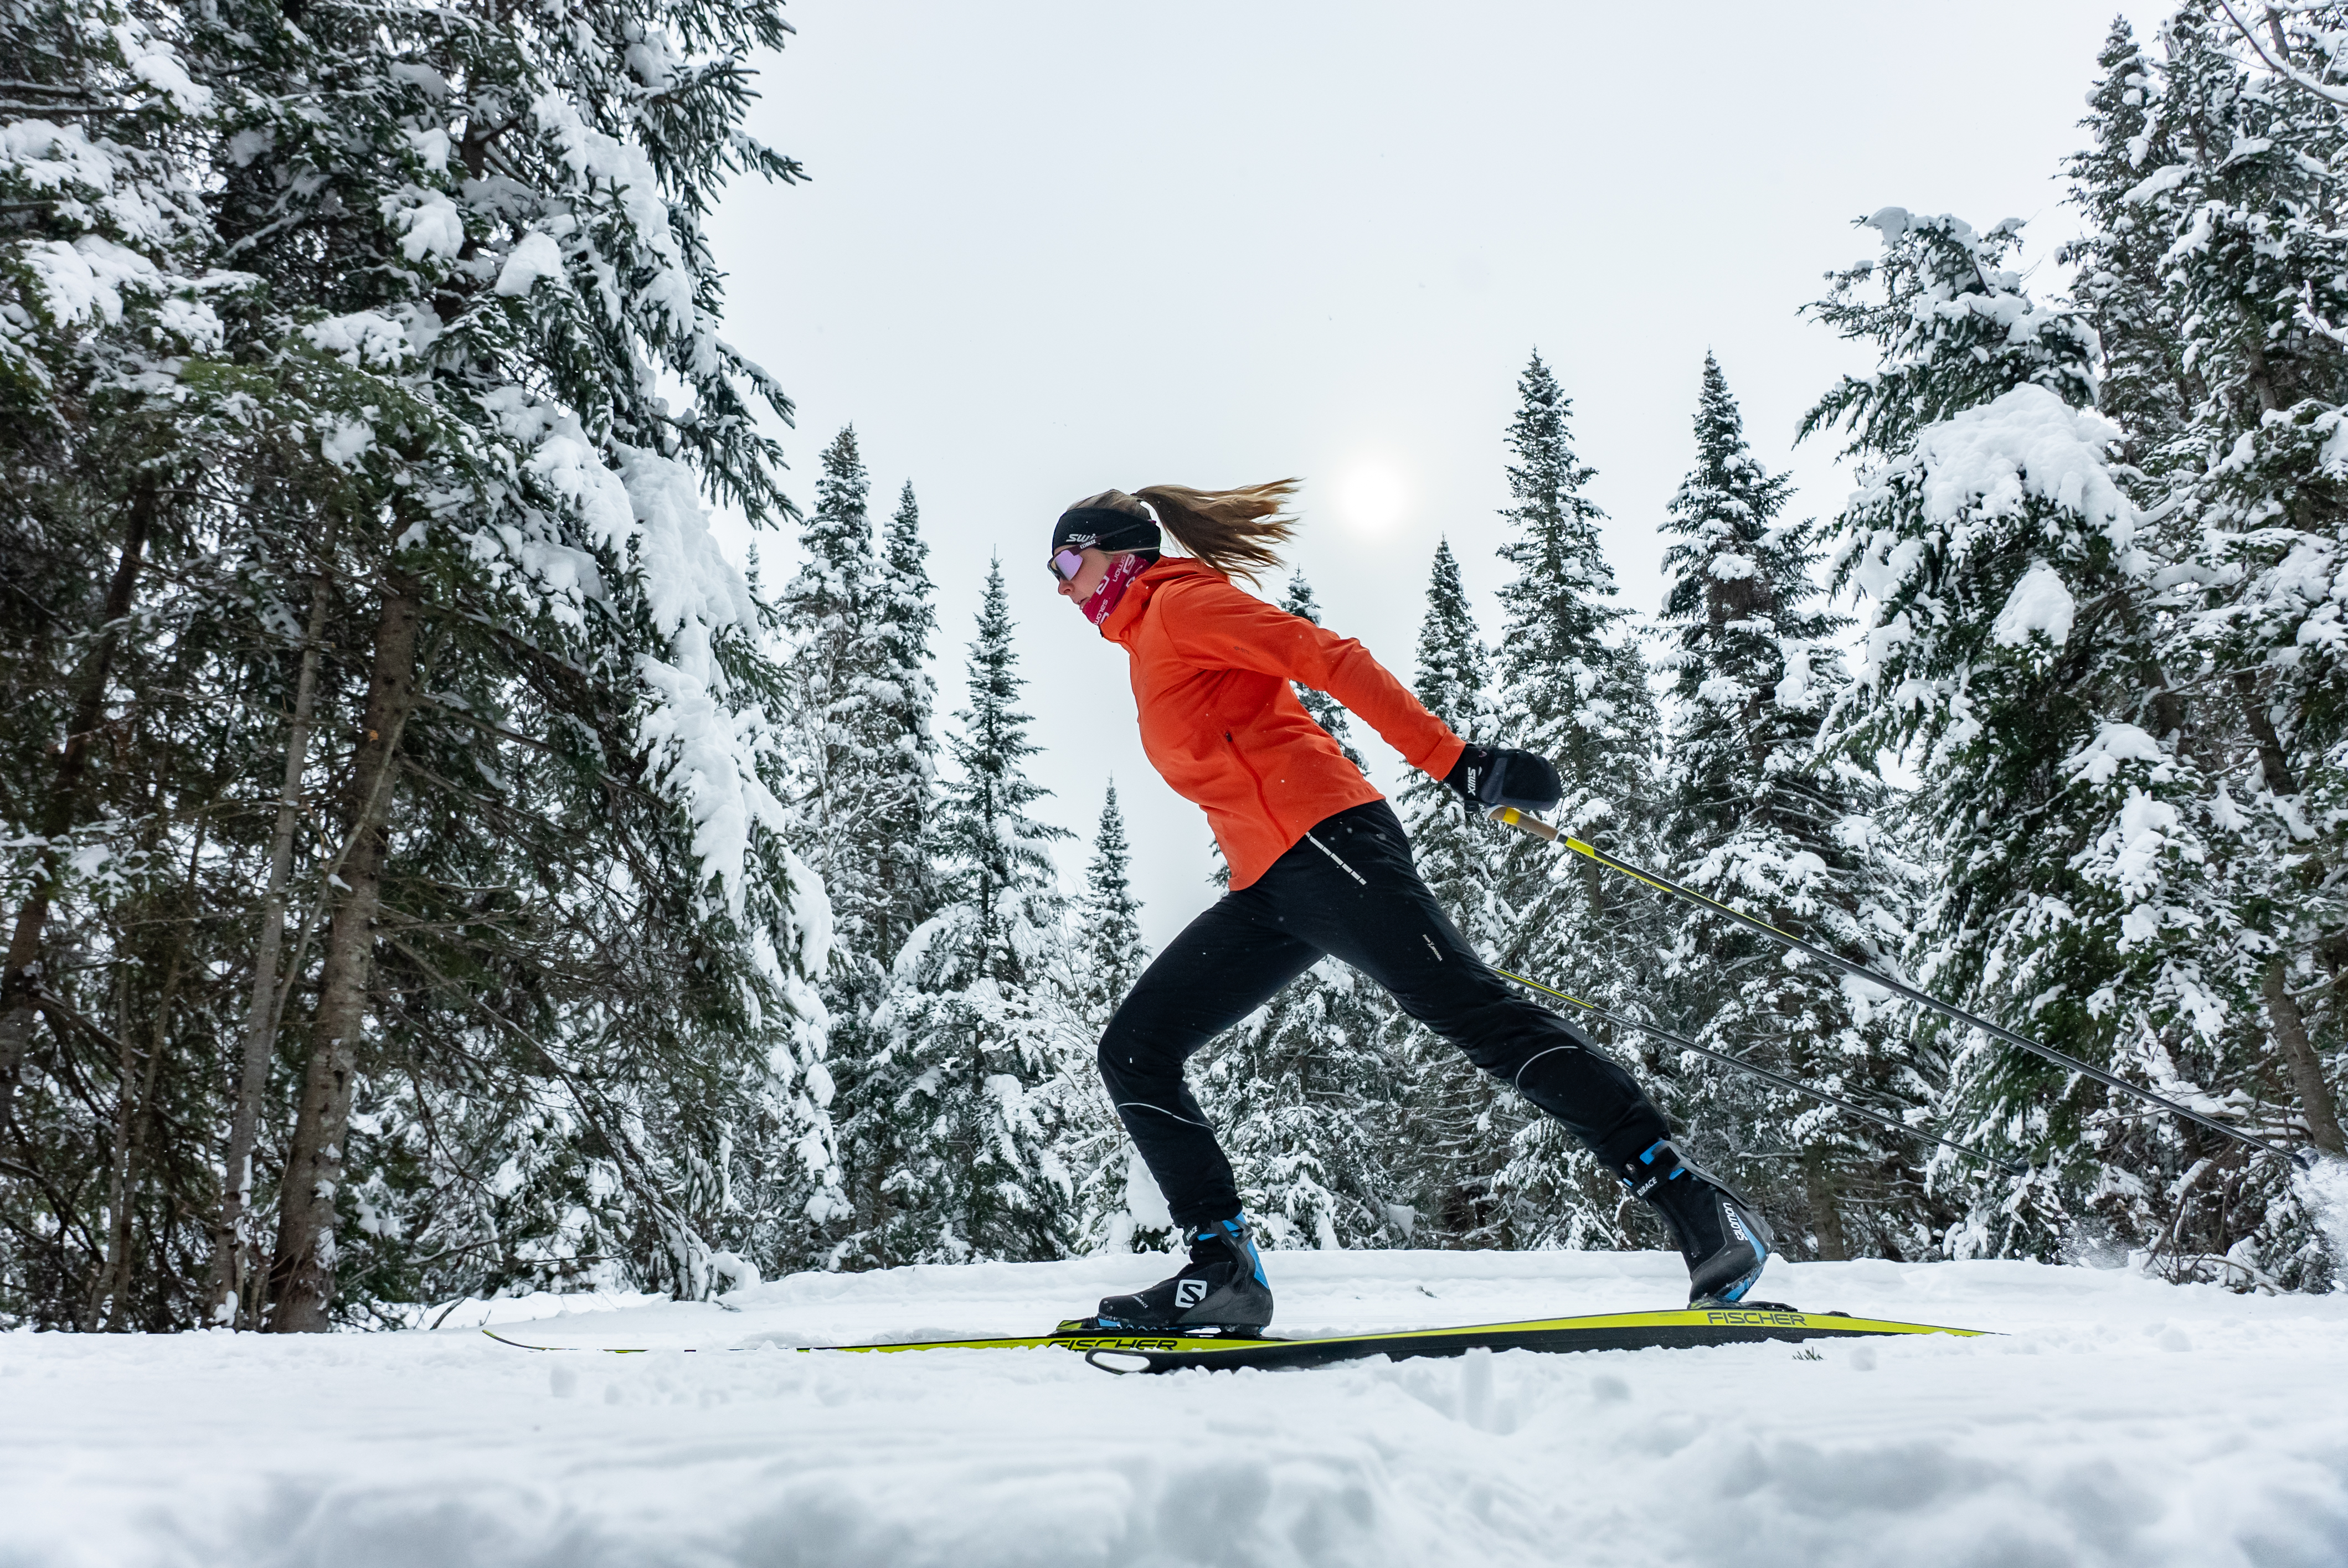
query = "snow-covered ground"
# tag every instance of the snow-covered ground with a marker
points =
(2115, 1421)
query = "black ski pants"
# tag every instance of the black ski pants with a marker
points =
(1349, 890)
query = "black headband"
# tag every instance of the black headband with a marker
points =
(1105, 528)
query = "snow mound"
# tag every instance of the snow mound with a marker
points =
(2041, 603)
(2112, 1420)
(2026, 442)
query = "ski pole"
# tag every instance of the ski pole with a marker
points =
(2011, 1167)
(1540, 829)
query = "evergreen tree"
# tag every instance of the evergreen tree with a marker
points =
(1455, 1124)
(1120, 1204)
(902, 696)
(896, 696)
(968, 1017)
(829, 614)
(1566, 691)
(2250, 513)
(113, 599)
(2010, 656)
(525, 963)
(1573, 687)
(1109, 950)
(1756, 818)
(2131, 203)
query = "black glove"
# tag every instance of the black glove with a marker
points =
(1488, 780)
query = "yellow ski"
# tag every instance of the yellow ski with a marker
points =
(1687, 1328)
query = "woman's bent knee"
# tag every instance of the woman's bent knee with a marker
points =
(1125, 1055)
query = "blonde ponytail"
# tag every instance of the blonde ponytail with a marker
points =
(1233, 531)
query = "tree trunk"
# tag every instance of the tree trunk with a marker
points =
(117, 1157)
(138, 1121)
(232, 1233)
(2286, 1025)
(1593, 884)
(2261, 374)
(2272, 765)
(2289, 1030)
(20, 978)
(301, 1274)
(1826, 1211)
(137, 1124)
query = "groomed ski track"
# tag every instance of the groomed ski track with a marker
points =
(2113, 1420)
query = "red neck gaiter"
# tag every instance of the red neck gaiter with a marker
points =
(1113, 584)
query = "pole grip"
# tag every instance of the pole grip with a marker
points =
(1527, 825)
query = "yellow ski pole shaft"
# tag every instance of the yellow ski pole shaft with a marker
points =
(1541, 830)
(2011, 1167)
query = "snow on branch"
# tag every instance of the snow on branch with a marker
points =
(2027, 442)
(2275, 58)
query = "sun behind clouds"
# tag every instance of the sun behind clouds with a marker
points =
(1369, 496)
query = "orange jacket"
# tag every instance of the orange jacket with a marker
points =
(1212, 667)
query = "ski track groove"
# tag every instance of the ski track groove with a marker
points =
(2118, 1421)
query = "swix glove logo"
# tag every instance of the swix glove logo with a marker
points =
(1190, 1292)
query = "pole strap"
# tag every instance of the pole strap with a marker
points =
(1539, 829)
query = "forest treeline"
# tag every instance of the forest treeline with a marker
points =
(431, 870)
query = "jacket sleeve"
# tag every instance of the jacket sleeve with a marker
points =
(1217, 626)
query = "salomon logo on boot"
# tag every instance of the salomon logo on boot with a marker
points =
(1222, 1286)
(1726, 1244)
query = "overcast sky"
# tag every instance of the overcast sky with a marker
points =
(1047, 248)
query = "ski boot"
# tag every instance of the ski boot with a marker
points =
(1222, 1287)
(1727, 1244)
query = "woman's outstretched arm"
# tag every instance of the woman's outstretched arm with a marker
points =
(1220, 626)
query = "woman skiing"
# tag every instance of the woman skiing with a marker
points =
(1320, 866)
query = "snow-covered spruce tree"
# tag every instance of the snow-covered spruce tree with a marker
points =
(113, 606)
(1454, 682)
(2126, 194)
(845, 747)
(1120, 1206)
(1452, 1125)
(485, 275)
(967, 1024)
(828, 615)
(2252, 516)
(2012, 656)
(1756, 817)
(901, 695)
(1108, 955)
(898, 888)
(1572, 686)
